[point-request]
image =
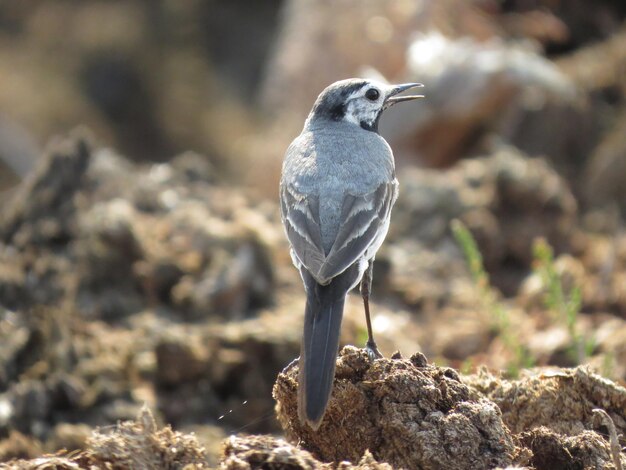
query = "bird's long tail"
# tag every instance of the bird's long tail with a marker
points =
(322, 324)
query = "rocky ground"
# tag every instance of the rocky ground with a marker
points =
(129, 286)
(147, 310)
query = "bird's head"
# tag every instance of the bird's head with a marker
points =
(359, 101)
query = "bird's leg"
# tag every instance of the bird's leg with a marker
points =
(366, 288)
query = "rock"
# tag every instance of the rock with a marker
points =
(18, 151)
(381, 406)
(19, 446)
(32, 406)
(242, 453)
(473, 87)
(551, 450)
(70, 437)
(606, 168)
(178, 360)
(134, 236)
(406, 415)
(151, 447)
(597, 271)
(561, 400)
(505, 199)
(15, 341)
(611, 340)
(43, 208)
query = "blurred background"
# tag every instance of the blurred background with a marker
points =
(142, 258)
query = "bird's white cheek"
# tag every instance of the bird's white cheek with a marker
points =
(357, 114)
(350, 117)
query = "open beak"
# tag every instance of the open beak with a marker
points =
(393, 99)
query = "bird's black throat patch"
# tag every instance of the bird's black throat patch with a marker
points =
(372, 126)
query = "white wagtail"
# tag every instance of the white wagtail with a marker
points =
(337, 188)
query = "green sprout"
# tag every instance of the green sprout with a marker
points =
(565, 305)
(499, 315)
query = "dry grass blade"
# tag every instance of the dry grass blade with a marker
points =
(613, 439)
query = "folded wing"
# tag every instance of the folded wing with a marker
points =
(300, 215)
(363, 217)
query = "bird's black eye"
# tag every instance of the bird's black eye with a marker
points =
(372, 94)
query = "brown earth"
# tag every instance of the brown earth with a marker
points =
(147, 310)
(396, 413)
(132, 284)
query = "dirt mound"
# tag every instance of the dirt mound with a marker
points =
(561, 400)
(395, 413)
(406, 412)
(132, 444)
(411, 414)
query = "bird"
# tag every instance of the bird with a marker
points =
(337, 187)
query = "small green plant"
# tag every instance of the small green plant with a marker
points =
(361, 335)
(467, 366)
(564, 304)
(498, 313)
(607, 369)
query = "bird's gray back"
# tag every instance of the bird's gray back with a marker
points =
(330, 161)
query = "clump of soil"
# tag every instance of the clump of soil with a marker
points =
(561, 400)
(412, 414)
(131, 444)
(141, 444)
(406, 412)
(555, 451)
(393, 413)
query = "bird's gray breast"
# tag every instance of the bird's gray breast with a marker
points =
(328, 162)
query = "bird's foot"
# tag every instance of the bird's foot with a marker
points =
(372, 350)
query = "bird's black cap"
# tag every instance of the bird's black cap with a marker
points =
(331, 103)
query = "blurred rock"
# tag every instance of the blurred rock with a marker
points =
(582, 25)
(118, 238)
(598, 65)
(15, 341)
(552, 346)
(18, 151)
(179, 361)
(374, 34)
(70, 437)
(606, 168)
(63, 371)
(19, 446)
(150, 91)
(42, 209)
(471, 87)
(254, 451)
(506, 200)
(598, 70)
(611, 341)
(597, 273)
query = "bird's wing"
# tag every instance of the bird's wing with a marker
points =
(362, 219)
(300, 215)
